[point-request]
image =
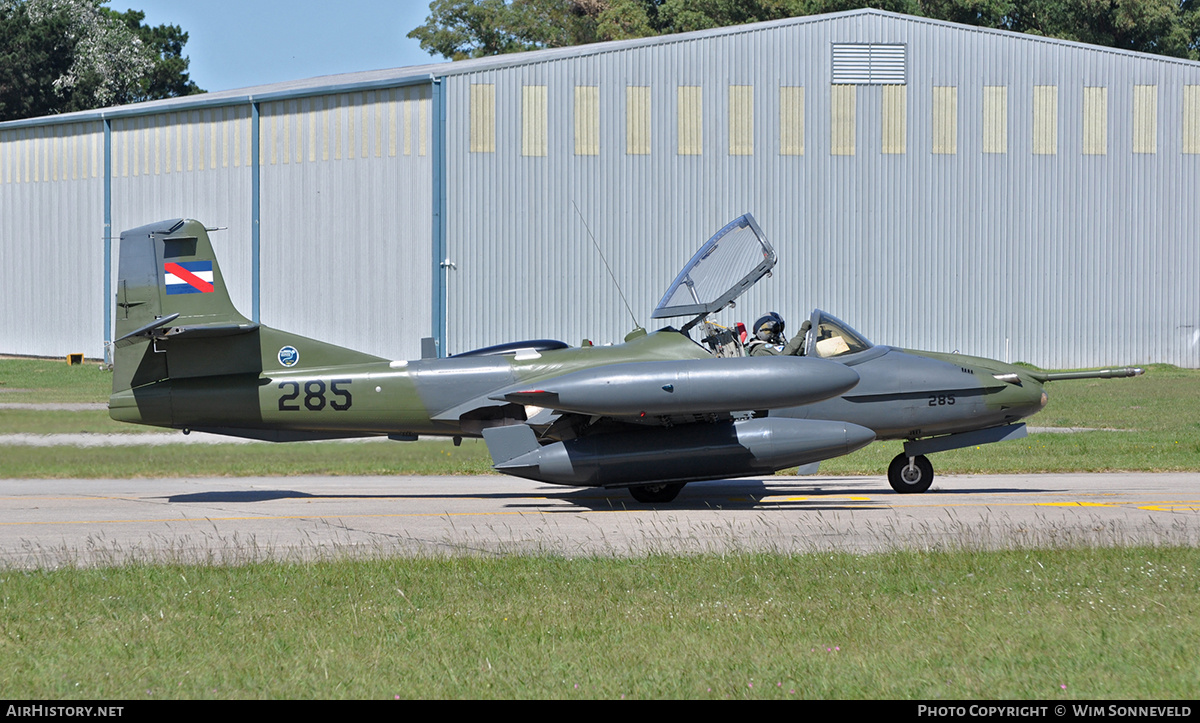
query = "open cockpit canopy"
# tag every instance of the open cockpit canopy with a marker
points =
(728, 264)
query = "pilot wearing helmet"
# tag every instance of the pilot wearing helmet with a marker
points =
(769, 339)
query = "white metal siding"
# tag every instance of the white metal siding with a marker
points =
(192, 164)
(1008, 241)
(1017, 245)
(345, 242)
(51, 264)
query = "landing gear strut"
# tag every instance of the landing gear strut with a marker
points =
(909, 475)
(651, 494)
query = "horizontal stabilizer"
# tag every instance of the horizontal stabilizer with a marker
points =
(205, 331)
(159, 329)
(146, 331)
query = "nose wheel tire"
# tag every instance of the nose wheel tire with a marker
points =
(910, 479)
(651, 494)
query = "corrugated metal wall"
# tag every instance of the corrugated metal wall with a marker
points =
(346, 218)
(189, 164)
(51, 266)
(959, 211)
(1015, 197)
(346, 215)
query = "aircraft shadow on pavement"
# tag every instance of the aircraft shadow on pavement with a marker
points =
(697, 495)
(812, 494)
(240, 496)
(735, 494)
(724, 494)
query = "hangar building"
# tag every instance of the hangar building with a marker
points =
(936, 186)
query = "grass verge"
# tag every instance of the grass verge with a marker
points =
(53, 381)
(257, 459)
(43, 421)
(1048, 624)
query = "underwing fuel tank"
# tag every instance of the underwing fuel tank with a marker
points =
(694, 386)
(676, 454)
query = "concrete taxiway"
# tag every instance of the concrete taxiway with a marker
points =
(48, 523)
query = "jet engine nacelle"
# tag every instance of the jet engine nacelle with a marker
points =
(679, 454)
(691, 386)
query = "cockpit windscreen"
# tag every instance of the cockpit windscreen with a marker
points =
(835, 338)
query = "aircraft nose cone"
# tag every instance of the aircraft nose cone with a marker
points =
(1032, 399)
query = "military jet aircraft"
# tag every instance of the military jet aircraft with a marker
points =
(651, 414)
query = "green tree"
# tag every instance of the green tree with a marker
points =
(472, 28)
(33, 54)
(1166, 27)
(458, 29)
(58, 56)
(168, 78)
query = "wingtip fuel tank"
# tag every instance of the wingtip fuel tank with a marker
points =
(681, 454)
(697, 386)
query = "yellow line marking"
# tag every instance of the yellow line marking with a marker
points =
(775, 499)
(802, 498)
(1173, 502)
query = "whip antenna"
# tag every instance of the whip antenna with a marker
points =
(606, 266)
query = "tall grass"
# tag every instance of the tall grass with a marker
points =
(1047, 624)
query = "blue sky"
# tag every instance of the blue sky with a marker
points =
(239, 43)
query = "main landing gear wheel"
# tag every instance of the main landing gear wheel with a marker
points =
(907, 479)
(651, 494)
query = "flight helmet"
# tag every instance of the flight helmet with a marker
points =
(769, 327)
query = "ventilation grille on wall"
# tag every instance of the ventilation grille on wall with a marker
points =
(868, 64)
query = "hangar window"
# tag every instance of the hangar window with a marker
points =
(869, 64)
(1191, 119)
(1145, 118)
(483, 118)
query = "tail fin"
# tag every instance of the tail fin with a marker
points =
(170, 287)
(169, 269)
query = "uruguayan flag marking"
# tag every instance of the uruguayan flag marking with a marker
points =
(189, 277)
